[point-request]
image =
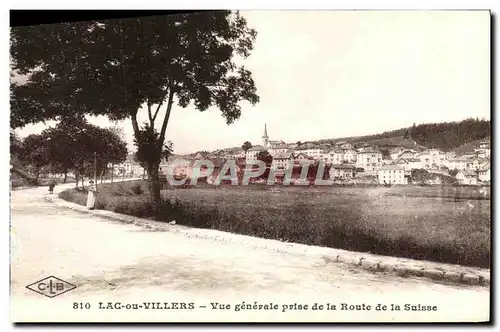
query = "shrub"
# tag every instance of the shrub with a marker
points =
(136, 189)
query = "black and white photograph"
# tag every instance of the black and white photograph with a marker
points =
(251, 166)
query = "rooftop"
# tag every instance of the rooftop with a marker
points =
(341, 166)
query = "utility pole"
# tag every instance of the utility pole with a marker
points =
(95, 170)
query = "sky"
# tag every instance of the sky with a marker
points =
(329, 74)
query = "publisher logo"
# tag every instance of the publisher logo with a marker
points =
(51, 286)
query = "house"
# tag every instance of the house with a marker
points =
(129, 167)
(467, 177)
(341, 171)
(484, 173)
(432, 158)
(483, 150)
(275, 147)
(459, 163)
(369, 159)
(350, 156)
(252, 153)
(282, 161)
(336, 156)
(477, 163)
(325, 156)
(450, 155)
(344, 145)
(239, 154)
(386, 160)
(395, 152)
(303, 159)
(392, 175)
(407, 154)
(200, 155)
(313, 152)
(177, 167)
(409, 163)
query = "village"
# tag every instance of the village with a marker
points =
(345, 162)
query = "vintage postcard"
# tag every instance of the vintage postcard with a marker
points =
(252, 166)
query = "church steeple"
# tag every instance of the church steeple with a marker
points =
(265, 138)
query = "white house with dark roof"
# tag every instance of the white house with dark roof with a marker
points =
(129, 167)
(341, 171)
(369, 159)
(252, 153)
(409, 163)
(336, 156)
(313, 152)
(350, 156)
(432, 158)
(282, 161)
(467, 177)
(392, 174)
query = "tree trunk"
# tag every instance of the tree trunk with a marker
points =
(154, 187)
(83, 182)
(65, 177)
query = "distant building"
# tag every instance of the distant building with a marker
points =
(432, 158)
(409, 163)
(392, 175)
(341, 171)
(303, 159)
(484, 174)
(344, 145)
(325, 156)
(369, 159)
(395, 152)
(239, 154)
(253, 152)
(450, 155)
(313, 152)
(336, 156)
(467, 177)
(350, 156)
(407, 154)
(282, 161)
(129, 167)
(459, 163)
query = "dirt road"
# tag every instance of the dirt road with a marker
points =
(112, 262)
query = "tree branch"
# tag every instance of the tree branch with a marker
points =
(167, 114)
(135, 125)
(150, 115)
(158, 108)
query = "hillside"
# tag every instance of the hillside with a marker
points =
(445, 136)
(469, 147)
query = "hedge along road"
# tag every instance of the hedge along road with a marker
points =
(113, 262)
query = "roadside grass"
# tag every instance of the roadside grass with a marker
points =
(442, 225)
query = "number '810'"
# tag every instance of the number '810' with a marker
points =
(81, 305)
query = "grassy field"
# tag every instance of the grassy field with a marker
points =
(450, 225)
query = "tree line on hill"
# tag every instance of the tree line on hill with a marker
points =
(449, 135)
(444, 136)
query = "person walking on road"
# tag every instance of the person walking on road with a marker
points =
(52, 184)
(91, 196)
